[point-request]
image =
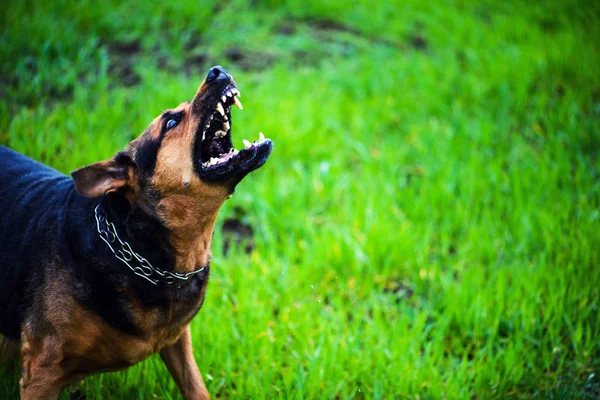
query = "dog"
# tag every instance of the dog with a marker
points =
(101, 270)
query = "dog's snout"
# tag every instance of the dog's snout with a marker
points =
(216, 73)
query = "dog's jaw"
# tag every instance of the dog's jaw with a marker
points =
(215, 157)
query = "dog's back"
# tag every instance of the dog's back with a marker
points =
(32, 196)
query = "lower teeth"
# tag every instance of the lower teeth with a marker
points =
(217, 160)
(232, 151)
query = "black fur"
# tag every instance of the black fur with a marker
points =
(146, 154)
(47, 229)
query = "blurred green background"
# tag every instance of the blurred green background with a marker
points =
(428, 224)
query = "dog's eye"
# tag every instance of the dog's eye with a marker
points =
(171, 123)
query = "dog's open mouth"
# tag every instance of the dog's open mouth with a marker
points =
(216, 157)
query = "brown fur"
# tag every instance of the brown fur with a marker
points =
(180, 361)
(188, 207)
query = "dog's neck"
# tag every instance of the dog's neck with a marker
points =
(140, 229)
(190, 224)
(178, 227)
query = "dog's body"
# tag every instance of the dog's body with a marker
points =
(100, 271)
(59, 282)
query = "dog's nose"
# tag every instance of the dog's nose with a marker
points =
(216, 73)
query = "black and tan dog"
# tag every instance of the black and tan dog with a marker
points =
(100, 271)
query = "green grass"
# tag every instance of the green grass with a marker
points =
(428, 223)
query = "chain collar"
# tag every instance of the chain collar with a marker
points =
(136, 263)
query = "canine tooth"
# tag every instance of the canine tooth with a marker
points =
(220, 108)
(226, 125)
(223, 98)
(238, 103)
(261, 136)
(247, 144)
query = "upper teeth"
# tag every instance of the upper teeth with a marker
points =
(220, 109)
(238, 103)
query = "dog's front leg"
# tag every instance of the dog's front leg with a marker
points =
(42, 375)
(181, 364)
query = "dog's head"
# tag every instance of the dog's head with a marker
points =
(185, 158)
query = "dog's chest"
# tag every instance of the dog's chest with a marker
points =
(86, 334)
(94, 345)
(160, 326)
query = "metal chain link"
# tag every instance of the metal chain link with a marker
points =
(127, 255)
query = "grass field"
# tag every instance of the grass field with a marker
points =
(428, 226)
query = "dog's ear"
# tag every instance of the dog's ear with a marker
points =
(105, 176)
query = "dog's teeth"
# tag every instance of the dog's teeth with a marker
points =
(238, 103)
(236, 92)
(261, 136)
(220, 134)
(229, 94)
(247, 144)
(220, 109)
(223, 98)
(226, 125)
(203, 135)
